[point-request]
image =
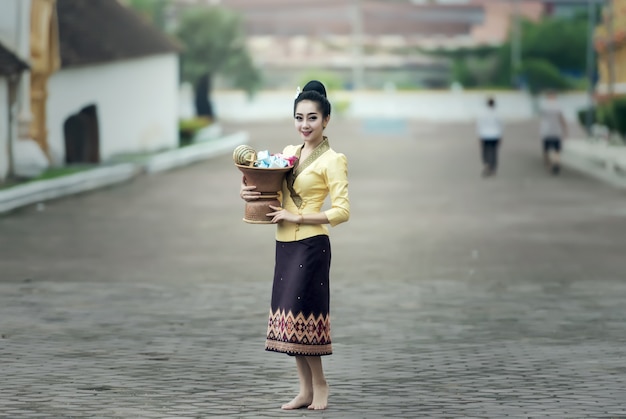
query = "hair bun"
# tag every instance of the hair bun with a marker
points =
(316, 86)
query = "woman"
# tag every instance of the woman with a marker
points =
(299, 322)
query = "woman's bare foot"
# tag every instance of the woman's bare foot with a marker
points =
(320, 397)
(301, 400)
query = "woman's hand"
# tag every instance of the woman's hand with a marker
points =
(248, 193)
(281, 214)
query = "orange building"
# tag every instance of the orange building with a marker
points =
(498, 18)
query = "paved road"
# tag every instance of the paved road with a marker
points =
(452, 295)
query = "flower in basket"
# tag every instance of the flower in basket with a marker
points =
(273, 161)
(245, 155)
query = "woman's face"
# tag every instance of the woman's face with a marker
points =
(309, 122)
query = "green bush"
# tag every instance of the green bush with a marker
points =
(341, 106)
(187, 128)
(582, 117)
(331, 80)
(606, 116)
(619, 115)
(462, 74)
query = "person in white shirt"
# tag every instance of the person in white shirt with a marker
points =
(489, 130)
(552, 128)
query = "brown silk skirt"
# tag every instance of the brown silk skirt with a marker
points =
(299, 319)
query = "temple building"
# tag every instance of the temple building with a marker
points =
(11, 68)
(93, 80)
(610, 45)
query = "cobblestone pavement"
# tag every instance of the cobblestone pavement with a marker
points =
(452, 295)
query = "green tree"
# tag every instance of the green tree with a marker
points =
(214, 43)
(562, 41)
(540, 74)
(472, 67)
(553, 51)
(152, 10)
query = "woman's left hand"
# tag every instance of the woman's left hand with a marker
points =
(281, 214)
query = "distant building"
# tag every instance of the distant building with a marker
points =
(386, 39)
(499, 15)
(289, 37)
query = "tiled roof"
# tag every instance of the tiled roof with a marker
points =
(9, 62)
(97, 31)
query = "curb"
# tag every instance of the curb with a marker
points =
(45, 190)
(193, 153)
(597, 160)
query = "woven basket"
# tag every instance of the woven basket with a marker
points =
(244, 154)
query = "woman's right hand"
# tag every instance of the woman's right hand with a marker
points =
(248, 193)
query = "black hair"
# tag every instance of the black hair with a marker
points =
(491, 102)
(315, 92)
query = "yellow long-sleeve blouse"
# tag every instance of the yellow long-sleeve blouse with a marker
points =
(325, 176)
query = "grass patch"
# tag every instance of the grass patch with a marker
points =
(51, 173)
(61, 171)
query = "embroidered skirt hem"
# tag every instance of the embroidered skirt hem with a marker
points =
(298, 348)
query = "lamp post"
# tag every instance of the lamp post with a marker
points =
(357, 44)
(591, 23)
(611, 48)
(516, 42)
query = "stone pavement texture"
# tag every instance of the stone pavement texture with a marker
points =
(452, 295)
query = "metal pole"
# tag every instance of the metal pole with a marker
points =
(611, 49)
(14, 80)
(591, 15)
(24, 116)
(516, 42)
(357, 44)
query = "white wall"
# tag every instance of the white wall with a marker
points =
(15, 26)
(4, 126)
(421, 105)
(136, 100)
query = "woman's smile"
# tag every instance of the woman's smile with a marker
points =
(309, 121)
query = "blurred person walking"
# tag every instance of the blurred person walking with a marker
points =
(552, 129)
(489, 130)
(299, 318)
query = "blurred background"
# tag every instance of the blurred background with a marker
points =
(82, 83)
